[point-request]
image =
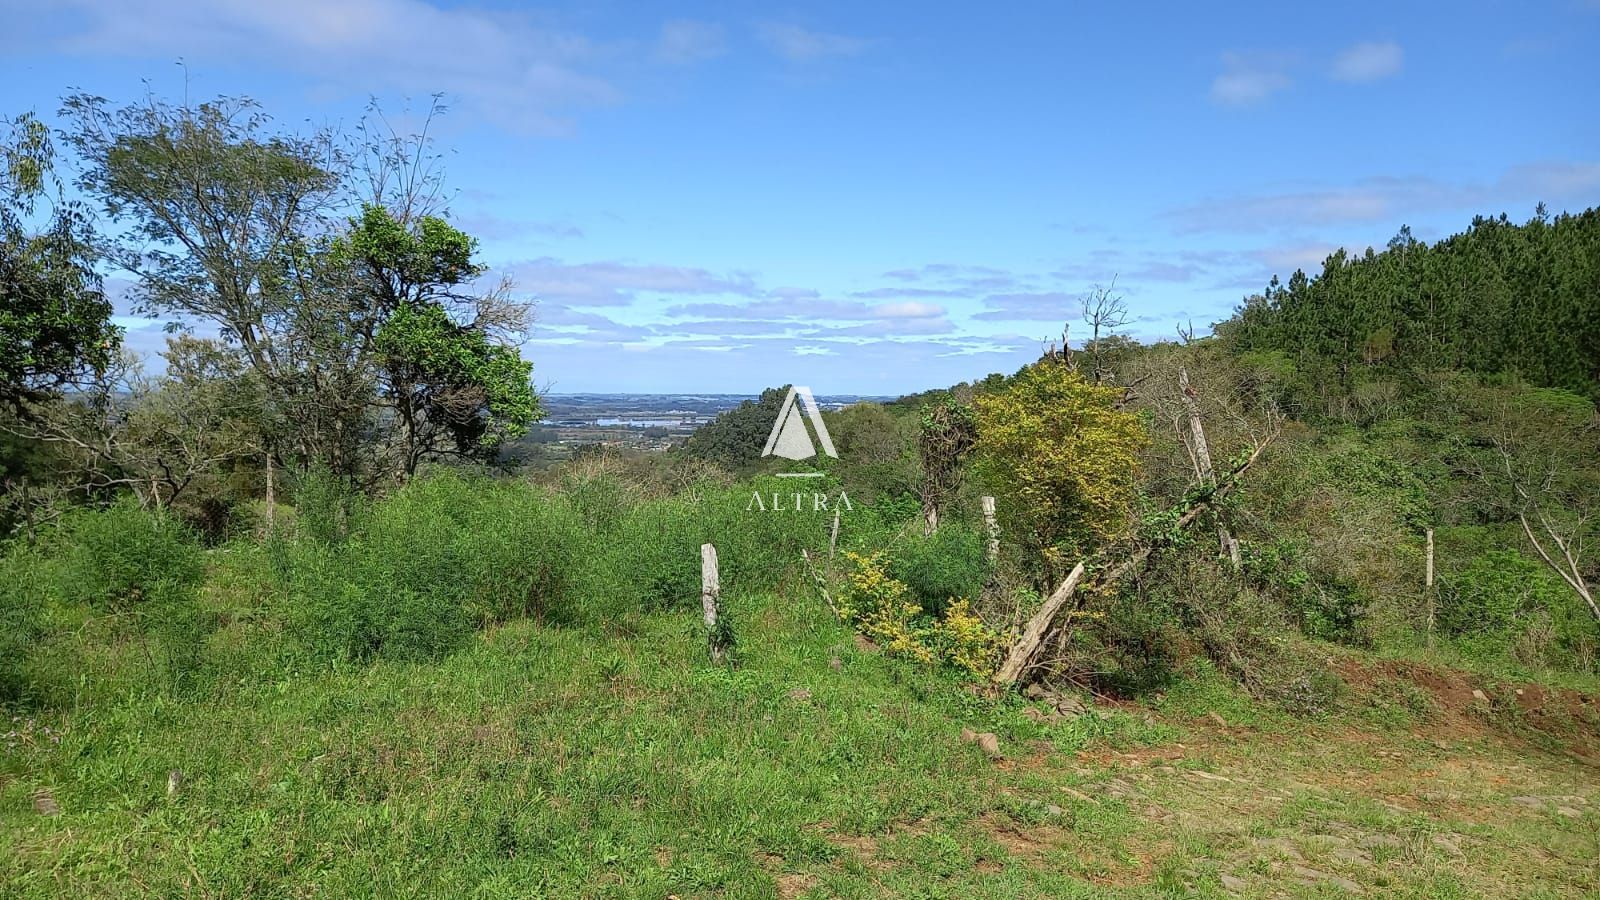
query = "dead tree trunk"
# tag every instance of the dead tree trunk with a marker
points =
(1202, 457)
(993, 529)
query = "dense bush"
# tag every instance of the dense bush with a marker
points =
(948, 565)
(441, 556)
(124, 555)
(22, 596)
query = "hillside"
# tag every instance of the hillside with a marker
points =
(613, 761)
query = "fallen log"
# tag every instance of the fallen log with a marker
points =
(1027, 645)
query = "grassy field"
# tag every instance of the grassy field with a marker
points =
(607, 762)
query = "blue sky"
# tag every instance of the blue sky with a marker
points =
(879, 198)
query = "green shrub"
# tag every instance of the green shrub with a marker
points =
(1494, 591)
(22, 598)
(947, 565)
(657, 551)
(443, 555)
(124, 555)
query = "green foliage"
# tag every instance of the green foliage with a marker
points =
(476, 390)
(735, 438)
(55, 321)
(24, 591)
(1494, 591)
(415, 262)
(942, 567)
(440, 557)
(1064, 459)
(883, 608)
(124, 556)
(1497, 298)
(876, 462)
(657, 551)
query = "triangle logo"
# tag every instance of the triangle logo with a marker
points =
(789, 438)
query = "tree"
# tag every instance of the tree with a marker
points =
(55, 321)
(1104, 311)
(1532, 452)
(947, 435)
(371, 347)
(219, 215)
(734, 438)
(1065, 457)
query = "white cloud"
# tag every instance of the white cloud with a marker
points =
(616, 283)
(1389, 198)
(1369, 61)
(1286, 259)
(908, 310)
(1248, 80)
(798, 44)
(500, 64)
(687, 41)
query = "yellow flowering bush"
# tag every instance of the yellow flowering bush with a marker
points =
(881, 608)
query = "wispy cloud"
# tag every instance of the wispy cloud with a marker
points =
(502, 65)
(687, 41)
(1388, 198)
(797, 44)
(1369, 61)
(616, 283)
(1248, 79)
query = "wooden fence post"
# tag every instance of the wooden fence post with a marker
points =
(1427, 584)
(993, 529)
(710, 590)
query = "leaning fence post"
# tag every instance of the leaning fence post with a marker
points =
(993, 528)
(710, 590)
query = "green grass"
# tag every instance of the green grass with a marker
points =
(614, 760)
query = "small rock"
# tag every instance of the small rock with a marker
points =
(799, 694)
(1529, 802)
(1218, 719)
(989, 744)
(45, 804)
(1447, 843)
(1053, 809)
(1380, 840)
(174, 782)
(1568, 811)
(864, 644)
(836, 664)
(1071, 707)
(1235, 885)
(1035, 691)
(1480, 696)
(968, 735)
(1208, 776)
